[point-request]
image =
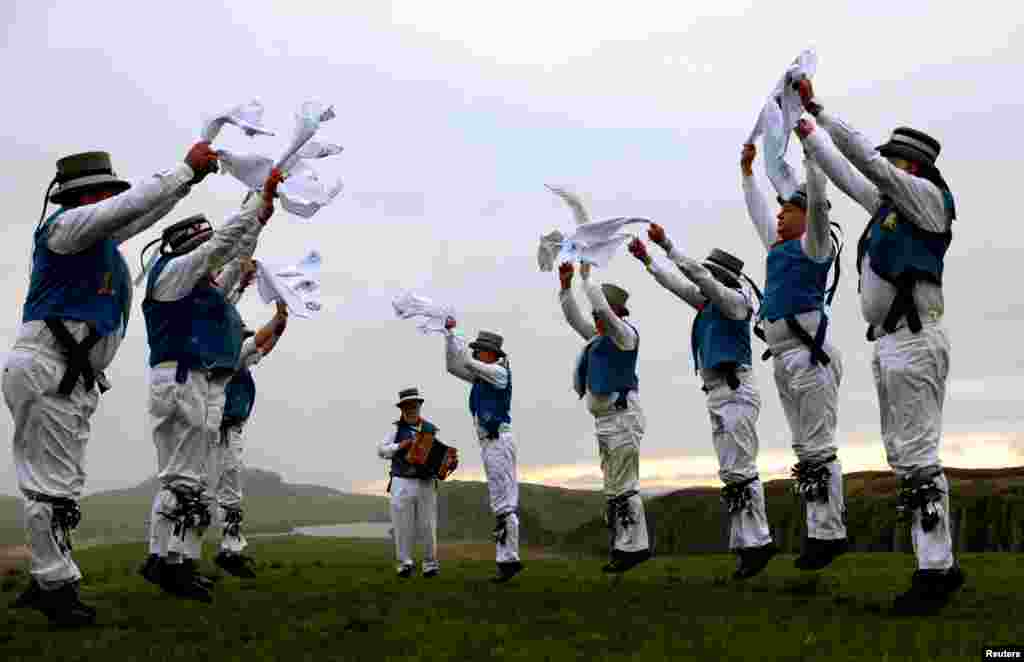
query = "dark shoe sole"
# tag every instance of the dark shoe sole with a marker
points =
(821, 561)
(763, 556)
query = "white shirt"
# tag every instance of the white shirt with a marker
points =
(865, 175)
(701, 289)
(815, 243)
(120, 218)
(621, 333)
(181, 274)
(461, 364)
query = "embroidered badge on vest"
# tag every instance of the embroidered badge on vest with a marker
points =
(889, 224)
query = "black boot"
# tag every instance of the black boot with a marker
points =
(151, 569)
(623, 561)
(180, 581)
(29, 597)
(64, 608)
(752, 560)
(929, 591)
(235, 564)
(819, 553)
(507, 571)
(205, 581)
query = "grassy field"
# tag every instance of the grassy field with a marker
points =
(328, 599)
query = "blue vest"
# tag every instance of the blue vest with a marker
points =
(400, 468)
(201, 330)
(717, 339)
(239, 398)
(605, 369)
(794, 283)
(491, 405)
(93, 286)
(899, 250)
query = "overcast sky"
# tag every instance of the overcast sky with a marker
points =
(453, 117)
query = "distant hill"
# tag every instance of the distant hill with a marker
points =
(273, 506)
(987, 515)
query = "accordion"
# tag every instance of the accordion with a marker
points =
(439, 459)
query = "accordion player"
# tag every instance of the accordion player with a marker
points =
(439, 459)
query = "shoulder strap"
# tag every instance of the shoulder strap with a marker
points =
(835, 232)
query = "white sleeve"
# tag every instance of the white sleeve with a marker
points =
(573, 315)
(232, 273)
(733, 304)
(622, 334)
(759, 211)
(250, 354)
(182, 273)
(387, 448)
(455, 356)
(147, 220)
(469, 368)
(80, 227)
(675, 284)
(822, 150)
(920, 201)
(816, 241)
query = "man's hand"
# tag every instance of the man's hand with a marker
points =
(639, 251)
(804, 127)
(747, 160)
(248, 268)
(269, 193)
(806, 91)
(656, 234)
(565, 272)
(202, 159)
(449, 323)
(585, 270)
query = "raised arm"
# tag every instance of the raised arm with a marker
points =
(920, 200)
(182, 273)
(668, 278)
(150, 218)
(570, 308)
(757, 206)
(622, 334)
(816, 241)
(79, 228)
(464, 366)
(819, 147)
(732, 303)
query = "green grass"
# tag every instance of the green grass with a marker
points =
(327, 599)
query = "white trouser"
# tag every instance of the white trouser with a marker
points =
(499, 457)
(734, 434)
(414, 512)
(618, 442)
(810, 395)
(228, 491)
(910, 372)
(50, 435)
(185, 420)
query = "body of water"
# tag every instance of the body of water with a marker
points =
(352, 530)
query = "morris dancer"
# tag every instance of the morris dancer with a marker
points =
(720, 341)
(195, 341)
(74, 318)
(900, 260)
(606, 375)
(413, 489)
(239, 398)
(808, 369)
(490, 402)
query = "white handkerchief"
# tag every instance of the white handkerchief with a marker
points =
(297, 285)
(409, 304)
(778, 118)
(303, 194)
(307, 121)
(593, 242)
(250, 169)
(248, 117)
